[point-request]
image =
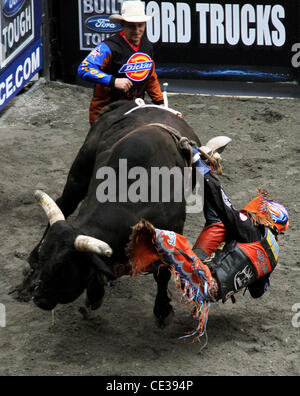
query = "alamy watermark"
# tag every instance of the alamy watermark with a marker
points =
(2, 316)
(296, 56)
(296, 317)
(153, 185)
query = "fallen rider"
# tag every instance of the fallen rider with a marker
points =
(235, 250)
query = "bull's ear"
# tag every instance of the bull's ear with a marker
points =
(100, 266)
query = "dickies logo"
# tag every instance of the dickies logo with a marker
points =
(11, 7)
(137, 67)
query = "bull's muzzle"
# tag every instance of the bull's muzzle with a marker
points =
(40, 298)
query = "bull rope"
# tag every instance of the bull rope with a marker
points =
(183, 143)
(141, 105)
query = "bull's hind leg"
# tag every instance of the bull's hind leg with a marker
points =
(163, 310)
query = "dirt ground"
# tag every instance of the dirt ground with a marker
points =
(40, 134)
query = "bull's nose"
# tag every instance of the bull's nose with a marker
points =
(38, 289)
(38, 284)
(40, 298)
(43, 303)
(37, 293)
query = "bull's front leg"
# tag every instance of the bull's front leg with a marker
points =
(163, 310)
(94, 296)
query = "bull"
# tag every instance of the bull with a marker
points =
(82, 253)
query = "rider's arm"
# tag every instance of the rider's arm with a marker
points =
(238, 226)
(92, 67)
(153, 87)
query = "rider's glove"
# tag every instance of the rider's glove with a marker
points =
(198, 163)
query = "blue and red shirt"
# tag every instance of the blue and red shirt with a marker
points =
(117, 58)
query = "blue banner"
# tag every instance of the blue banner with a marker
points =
(20, 45)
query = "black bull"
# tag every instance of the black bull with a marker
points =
(61, 273)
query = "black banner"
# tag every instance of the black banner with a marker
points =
(254, 39)
(236, 39)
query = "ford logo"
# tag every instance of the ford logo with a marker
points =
(11, 7)
(102, 24)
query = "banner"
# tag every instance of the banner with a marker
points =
(20, 45)
(195, 38)
(94, 23)
(219, 23)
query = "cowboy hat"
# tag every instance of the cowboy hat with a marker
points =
(132, 11)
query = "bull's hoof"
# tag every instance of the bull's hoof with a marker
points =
(93, 305)
(86, 313)
(163, 321)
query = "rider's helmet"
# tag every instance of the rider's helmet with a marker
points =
(279, 215)
(266, 212)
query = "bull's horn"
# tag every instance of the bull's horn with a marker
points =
(218, 144)
(51, 209)
(85, 243)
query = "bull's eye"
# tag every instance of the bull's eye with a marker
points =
(37, 284)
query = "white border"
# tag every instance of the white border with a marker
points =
(80, 16)
(80, 25)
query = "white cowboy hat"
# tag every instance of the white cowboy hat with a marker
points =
(132, 11)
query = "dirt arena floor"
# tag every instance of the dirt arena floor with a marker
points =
(40, 134)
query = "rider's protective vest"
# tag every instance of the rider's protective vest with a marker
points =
(237, 265)
(263, 254)
(124, 61)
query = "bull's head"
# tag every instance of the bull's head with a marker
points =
(66, 261)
